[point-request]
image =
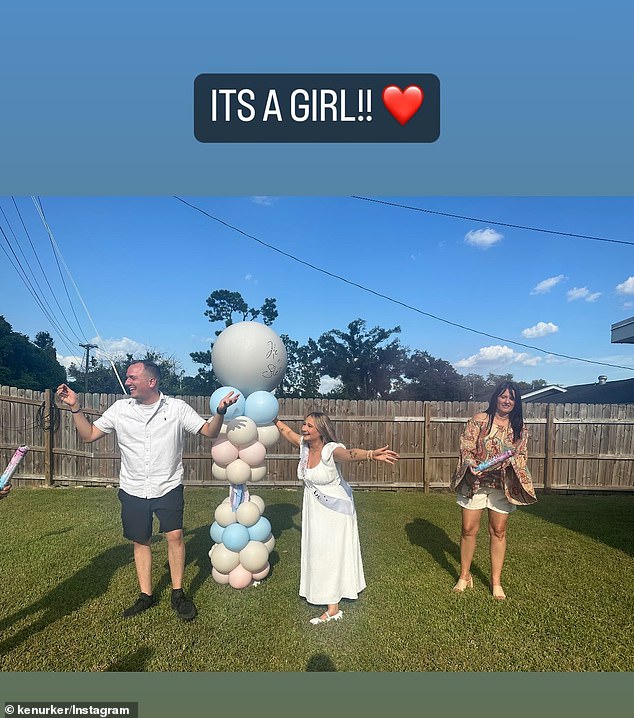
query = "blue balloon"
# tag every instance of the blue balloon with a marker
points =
(235, 537)
(262, 407)
(234, 410)
(259, 531)
(216, 532)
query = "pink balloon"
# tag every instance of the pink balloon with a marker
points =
(262, 574)
(253, 454)
(240, 577)
(223, 452)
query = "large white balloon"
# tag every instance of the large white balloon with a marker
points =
(249, 356)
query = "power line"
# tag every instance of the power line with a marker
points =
(391, 299)
(491, 221)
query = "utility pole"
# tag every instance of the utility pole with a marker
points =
(87, 347)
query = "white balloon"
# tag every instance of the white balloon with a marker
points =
(248, 514)
(224, 515)
(268, 434)
(270, 543)
(224, 560)
(242, 431)
(254, 556)
(258, 472)
(259, 501)
(218, 577)
(218, 472)
(238, 472)
(249, 356)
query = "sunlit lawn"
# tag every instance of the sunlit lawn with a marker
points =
(67, 574)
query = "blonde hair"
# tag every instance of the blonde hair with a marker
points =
(323, 425)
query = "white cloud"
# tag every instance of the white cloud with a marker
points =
(327, 384)
(249, 278)
(264, 200)
(483, 238)
(582, 293)
(497, 355)
(547, 284)
(105, 350)
(626, 287)
(541, 329)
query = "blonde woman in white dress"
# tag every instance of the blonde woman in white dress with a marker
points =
(331, 565)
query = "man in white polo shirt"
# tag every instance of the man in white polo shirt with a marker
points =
(150, 430)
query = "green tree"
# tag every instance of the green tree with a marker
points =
(223, 306)
(426, 378)
(103, 380)
(366, 362)
(25, 365)
(302, 377)
(45, 342)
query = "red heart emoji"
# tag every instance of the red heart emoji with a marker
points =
(403, 104)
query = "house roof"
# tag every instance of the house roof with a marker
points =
(602, 392)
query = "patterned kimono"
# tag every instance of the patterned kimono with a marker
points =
(477, 444)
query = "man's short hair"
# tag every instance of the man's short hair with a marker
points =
(152, 368)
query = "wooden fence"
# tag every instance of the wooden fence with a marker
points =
(571, 446)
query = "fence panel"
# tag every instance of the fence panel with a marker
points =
(571, 446)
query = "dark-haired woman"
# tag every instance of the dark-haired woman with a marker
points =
(331, 566)
(500, 488)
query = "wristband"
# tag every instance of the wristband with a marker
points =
(222, 413)
(76, 411)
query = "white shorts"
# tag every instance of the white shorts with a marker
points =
(487, 498)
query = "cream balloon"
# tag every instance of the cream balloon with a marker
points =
(218, 472)
(254, 556)
(258, 472)
(241, 431)
(270, 543)
(248, 513)
(223, 559)
(257, 500)
(238, 472)
(224, 515)
(268, 434)
(218, 577)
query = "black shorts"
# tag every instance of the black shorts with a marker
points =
(136, 514)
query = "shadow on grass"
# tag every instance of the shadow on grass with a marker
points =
(441, 548)
(608, 519)
(320, 662)
(132, 663)
(68, 596)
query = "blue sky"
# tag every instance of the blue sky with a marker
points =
(144, 266)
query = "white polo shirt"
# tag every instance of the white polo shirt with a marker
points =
(151, 444)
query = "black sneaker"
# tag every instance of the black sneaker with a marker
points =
(143, 602)
(183, 606)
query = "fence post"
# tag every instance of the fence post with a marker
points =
(426, 448)
(549, 445)
(48, 437)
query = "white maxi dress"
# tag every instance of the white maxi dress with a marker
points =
(331, 565)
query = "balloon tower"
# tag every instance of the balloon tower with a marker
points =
(250, 359)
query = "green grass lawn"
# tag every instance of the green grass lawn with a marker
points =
(67, 574)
